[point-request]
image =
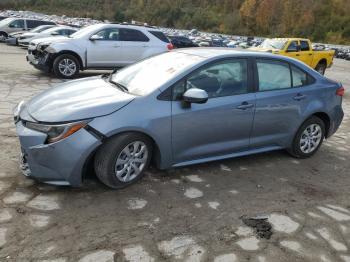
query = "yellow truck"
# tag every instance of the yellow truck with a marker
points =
(300, 49)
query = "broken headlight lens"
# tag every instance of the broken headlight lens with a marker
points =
(56, 133)
(41, 47)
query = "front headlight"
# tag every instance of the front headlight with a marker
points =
(41, 47)
(17, 111)
(57, 132)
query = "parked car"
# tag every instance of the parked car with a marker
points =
(10, 25)
(12, 38)
(300, 49)
(179, 108)
(181, 41)
(26, 38)
(232, 44)
(100, 46)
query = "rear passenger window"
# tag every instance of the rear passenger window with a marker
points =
(299, 77)
(160, 36)
(132, 35)
(304, 46)
(273, 75)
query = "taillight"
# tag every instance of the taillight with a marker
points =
(170, 46)
(340, 91)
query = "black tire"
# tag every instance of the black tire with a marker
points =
(3, 36)
(61, 59)
(296, 150)
(107, 155)
(321, 68)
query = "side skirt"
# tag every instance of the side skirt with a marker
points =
(237, 154)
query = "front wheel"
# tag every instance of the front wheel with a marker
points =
(309, 138)
(3, 36)
(66, 66)
(121, 161)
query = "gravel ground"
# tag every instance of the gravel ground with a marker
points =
(185, 214)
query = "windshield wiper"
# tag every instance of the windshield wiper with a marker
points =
(274, 46)
(120, 86)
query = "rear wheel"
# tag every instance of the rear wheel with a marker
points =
(309, 138)
(121, 161)
(66, 66)
(321, 68)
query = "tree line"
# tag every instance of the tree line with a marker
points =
(320, 20)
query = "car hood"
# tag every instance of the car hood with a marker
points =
(29, 34)
(14, 34)
(49, 40)
(76, 100)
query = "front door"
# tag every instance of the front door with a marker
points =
(293, 50)
(223, 124)
(105, 49)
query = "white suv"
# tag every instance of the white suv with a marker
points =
(101, 46)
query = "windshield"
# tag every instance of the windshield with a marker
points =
(41, 28)
(148, 75)
(5, 21)
(273, 43)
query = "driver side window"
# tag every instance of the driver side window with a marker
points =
(293, 47)
(17, 24)
(225, 78)
(110, 34)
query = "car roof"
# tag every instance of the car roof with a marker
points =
(105, 25)
(209, 53)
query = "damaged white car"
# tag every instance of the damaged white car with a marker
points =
(101, 46)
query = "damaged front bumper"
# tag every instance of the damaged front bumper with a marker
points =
(39, 59)
(59, 163)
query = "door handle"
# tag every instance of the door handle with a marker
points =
(299, 97)
(116, 46)
(310, 54)
(244, 106)
(297, 55)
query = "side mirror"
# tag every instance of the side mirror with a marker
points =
(95, 37)
(195, 95)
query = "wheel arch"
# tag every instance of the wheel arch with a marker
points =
(89, 162)
(326, 120)
(322, 61)
(321, 115)
(68, 52)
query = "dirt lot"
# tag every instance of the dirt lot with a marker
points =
(186, 214)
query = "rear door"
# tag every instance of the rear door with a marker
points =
(223, 124)
(280, 101)
(305, 52)
(106, 50)
(135, 43)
